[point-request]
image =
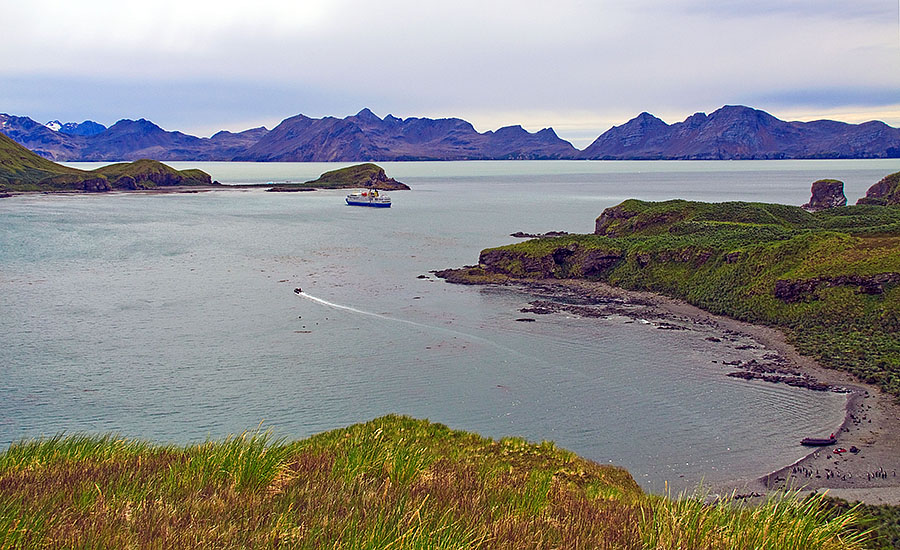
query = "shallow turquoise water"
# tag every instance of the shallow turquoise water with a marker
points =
(172, 317)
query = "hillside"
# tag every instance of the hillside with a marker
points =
(22, 170)
(394, 482)
(829, 279)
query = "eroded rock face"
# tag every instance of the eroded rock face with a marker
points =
(886, 192)
(826, 194)
(566, 261)
(804, 290)
(96, 185)
(610, 218)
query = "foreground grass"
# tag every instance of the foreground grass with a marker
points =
(394, 482)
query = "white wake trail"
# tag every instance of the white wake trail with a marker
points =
(491, 343)
(352, 309)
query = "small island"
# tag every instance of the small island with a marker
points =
(23, 171)
(366, 175)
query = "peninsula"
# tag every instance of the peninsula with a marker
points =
(24, 171)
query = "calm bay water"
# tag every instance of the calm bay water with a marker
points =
(173, 318)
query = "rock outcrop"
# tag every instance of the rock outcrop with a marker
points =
(570, 260)
(611, 219)
(804, 290)
(826, 194)
(885, 193)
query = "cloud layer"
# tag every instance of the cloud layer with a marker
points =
(578, 66)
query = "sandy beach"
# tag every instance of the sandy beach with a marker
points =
(871, 423)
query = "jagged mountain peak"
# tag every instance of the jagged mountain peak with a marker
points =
(368, 116)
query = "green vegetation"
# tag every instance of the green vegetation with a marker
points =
(883, 522)
(19, 167)
(394, 482)
(830, 279)
(21, 170)
(147, 174)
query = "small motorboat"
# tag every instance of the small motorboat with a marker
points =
(370, 197)
(818, 441)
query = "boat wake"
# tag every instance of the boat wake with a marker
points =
(471, 337)
(359, 311)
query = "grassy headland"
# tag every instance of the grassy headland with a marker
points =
(24, 171)
(829, 279)
(394, 482)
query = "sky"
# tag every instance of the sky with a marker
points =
(580, 67)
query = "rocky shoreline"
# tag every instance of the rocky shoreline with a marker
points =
(871, 417)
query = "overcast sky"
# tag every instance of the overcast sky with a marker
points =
(577, 66)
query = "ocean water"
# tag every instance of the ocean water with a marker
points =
(173, 318)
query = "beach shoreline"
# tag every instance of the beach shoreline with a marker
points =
(871, 421)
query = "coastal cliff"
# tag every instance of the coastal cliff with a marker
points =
(830, 279)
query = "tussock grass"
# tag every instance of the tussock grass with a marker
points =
(394, 482)
(784, 521)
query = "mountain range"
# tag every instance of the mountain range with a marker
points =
(731, 132)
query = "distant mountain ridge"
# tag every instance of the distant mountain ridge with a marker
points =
(366, 137)
(86, 128)
(738, 132)
(731, 132)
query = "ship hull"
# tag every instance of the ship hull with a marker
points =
(371, 204)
